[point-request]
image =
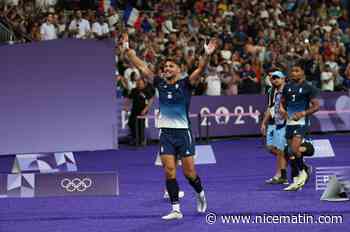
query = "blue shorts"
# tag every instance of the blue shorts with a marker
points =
(279, 137)
(276, 136)
(177, 142)
(296, 130)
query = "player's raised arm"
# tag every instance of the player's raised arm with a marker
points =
(209, 50)
(132, 57)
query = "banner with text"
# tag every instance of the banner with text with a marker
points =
(242, 115)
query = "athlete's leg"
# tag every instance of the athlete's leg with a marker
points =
(270, 133)
(280, 169)
(276, 147)
(186, 149)
(280, 143)
(291, 151)
(167, 156)
(194, 180)
(297, 164)
(181, 193)
(169, 164)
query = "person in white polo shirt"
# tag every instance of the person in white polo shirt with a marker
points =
(48, 31)
(100, 28)
(80, 27)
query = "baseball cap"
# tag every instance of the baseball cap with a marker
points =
(278, 74)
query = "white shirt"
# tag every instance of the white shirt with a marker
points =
(12, 2)
(226, 54)
(333, 65)
(167, 27)
(48, 31)
(100, 29)
(327, 28)
(61, 27)
(264, 14)
(127, 75)
(43, 3)
(214, 85)
(327, 76)
(112, 20)
(83, 25)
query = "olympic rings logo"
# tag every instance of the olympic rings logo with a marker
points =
(76, 185)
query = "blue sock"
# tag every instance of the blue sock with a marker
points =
(196, 184)
(173, 189)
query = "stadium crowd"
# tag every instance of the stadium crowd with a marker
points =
(255, 36)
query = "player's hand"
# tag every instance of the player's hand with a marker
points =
(298, 115)
(210, 48)
(263, 129)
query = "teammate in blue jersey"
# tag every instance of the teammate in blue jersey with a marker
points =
(174, 123)
(298, 102)
(274, 128)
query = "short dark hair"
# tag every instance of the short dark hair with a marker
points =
(173, 60)
(170, 59)
(299, 63)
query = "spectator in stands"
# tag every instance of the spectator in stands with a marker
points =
(131, 74)
(100, 29)
(141, 99)
(48, 31)
(249, 84)
(168, 25)
(12, 2)
(45, 4)
(35, 32)
(61, 27)
(113, 19)
(347, 80)
(229, 79)
(271, 31)
(80, 27)
(226, 52)
(313, 70)
(327, 79)
(213, 79)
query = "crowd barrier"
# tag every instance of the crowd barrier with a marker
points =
(219, 116)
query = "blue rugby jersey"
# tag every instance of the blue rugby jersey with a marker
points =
(174, 103)
(297, 98)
